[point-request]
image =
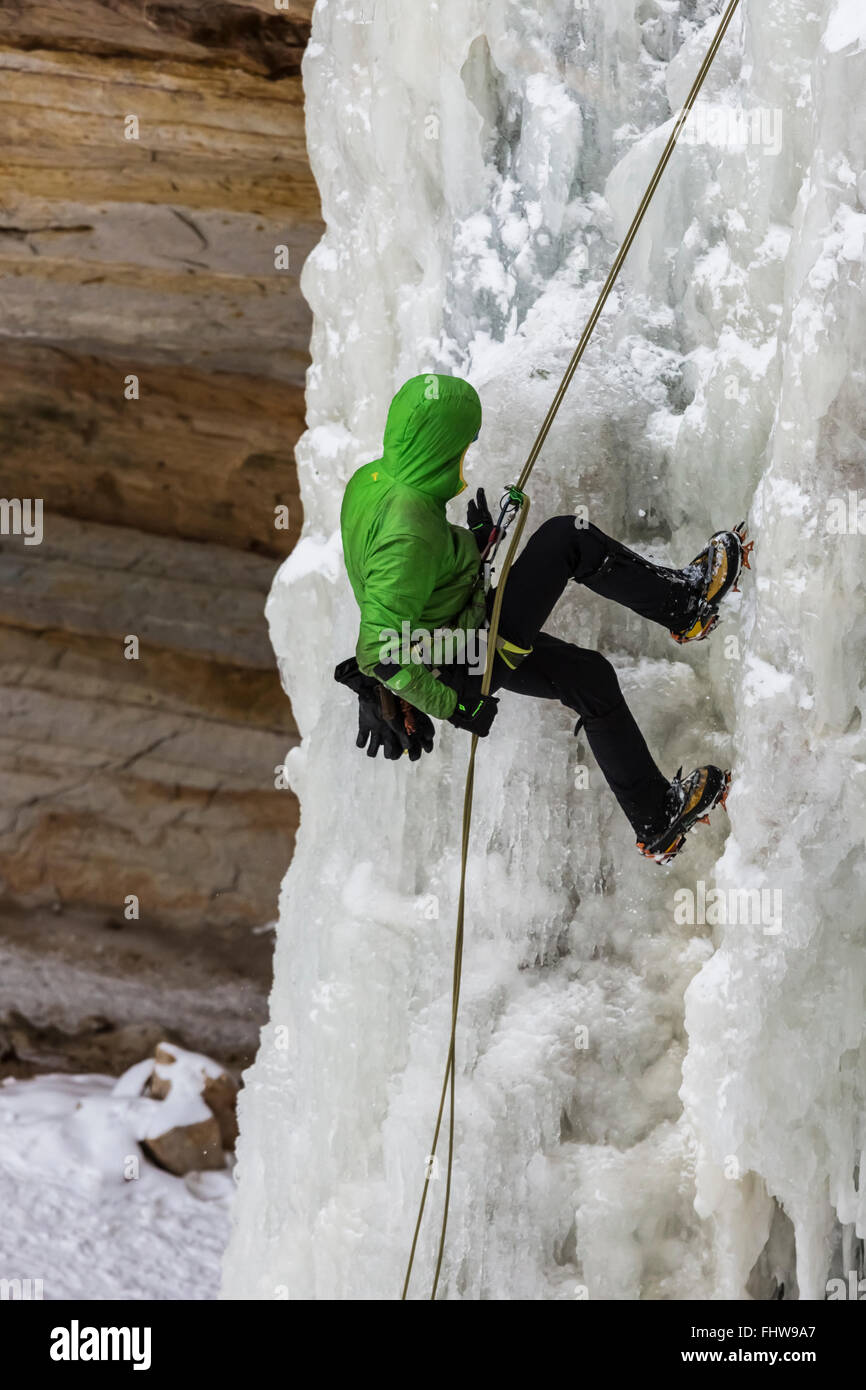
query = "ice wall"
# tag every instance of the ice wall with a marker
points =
(657, 1098)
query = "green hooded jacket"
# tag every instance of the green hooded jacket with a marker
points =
(406, 562)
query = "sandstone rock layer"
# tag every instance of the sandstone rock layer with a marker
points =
(155, 183)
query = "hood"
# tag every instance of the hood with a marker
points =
(430, 422)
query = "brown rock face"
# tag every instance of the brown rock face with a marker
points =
(266, 37)
(96, 1046)
(154, 776)
(203, 456)
(152, 356)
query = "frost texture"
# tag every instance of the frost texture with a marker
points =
(649, 1107)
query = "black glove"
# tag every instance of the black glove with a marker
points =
(479, 519)
(415, 727)
(474, 711)
(383, 722)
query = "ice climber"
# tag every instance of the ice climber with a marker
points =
(411, 569)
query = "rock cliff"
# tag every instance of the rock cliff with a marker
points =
(157, 207)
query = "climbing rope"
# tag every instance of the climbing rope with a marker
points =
(522, 502)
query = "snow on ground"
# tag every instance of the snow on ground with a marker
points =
(83, 1209)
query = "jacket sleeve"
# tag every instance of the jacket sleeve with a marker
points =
(400, 578)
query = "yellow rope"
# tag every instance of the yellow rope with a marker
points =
(449, 1078)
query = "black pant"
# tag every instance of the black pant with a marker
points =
(583, 680)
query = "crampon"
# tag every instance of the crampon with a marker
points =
(689, 802)
(720, 563)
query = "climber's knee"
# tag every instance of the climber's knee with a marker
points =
(556, 529)
(580, 542)
(600, 693)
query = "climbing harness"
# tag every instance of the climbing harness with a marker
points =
(516, 506)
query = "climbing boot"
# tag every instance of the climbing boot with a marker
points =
(715, 573)
(687, 803)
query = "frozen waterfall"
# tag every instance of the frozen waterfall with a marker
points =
(661, 1072)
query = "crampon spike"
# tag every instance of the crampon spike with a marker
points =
(724, 796)
(702, 820)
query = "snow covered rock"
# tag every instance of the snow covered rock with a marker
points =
(83, 1207)
(199, 1107)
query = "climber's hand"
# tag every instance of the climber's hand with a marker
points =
(414, 729)
(349, 673)
(475, 713)
(373, 730)
(384, 723)
(411, 727)
(479, 519)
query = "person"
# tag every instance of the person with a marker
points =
(411, 571)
